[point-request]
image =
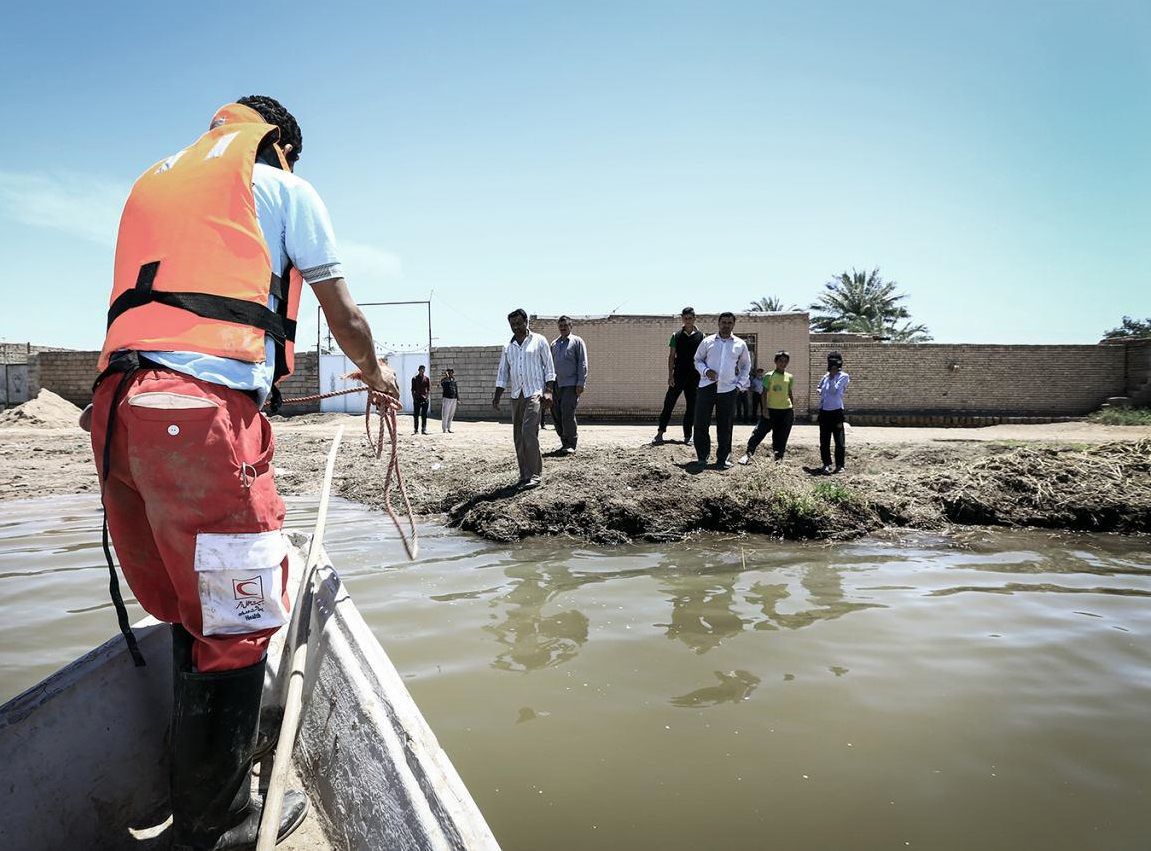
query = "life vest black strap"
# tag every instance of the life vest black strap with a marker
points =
(127, 364)
(223, 308)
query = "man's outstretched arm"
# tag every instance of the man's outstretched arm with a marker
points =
(351, 330)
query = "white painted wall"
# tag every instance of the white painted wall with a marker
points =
(333, 366)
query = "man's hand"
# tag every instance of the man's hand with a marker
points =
(670, 381)
(546, 399)
(496, 398)
(86, 419)
(712, 375)
(381, 378)
(579, 390)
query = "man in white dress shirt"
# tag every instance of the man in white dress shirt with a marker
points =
(723, 363)
(528, 374)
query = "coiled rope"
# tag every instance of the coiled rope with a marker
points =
(386, 407)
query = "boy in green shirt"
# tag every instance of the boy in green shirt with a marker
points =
(778, 413)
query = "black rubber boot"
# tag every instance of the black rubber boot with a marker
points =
(213, 737)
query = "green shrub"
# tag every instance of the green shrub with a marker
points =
(1122, 416)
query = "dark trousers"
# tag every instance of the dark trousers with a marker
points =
(688, 385)
(724, 405)
(831, 425)
(563, 414)
(420, 408)
(741, 405)
(757, 409)
(779, 423)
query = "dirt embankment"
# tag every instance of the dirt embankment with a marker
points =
(619, 488)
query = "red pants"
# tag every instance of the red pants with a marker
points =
(193, 511)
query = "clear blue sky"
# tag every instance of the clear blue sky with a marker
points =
(994, 158)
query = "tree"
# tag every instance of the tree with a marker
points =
(1130, 328)
(862, 302)
(769, 304)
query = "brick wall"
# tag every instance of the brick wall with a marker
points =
(984, 380)
(304, 381)
(627, 356)
(22, 352)
(1138, 371)
(67, 374)
(70, 375)
(475, 368)
(891, 382)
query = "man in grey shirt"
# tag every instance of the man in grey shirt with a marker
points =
(569, 353)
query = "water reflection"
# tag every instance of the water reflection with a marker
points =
(534, 640)
(702, 613)
(733, 687)
(823, 585)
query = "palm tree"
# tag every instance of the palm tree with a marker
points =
(769, 304)
(865, 303)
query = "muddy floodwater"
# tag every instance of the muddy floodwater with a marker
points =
(983, 691)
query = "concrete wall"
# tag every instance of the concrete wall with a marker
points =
(948, 380)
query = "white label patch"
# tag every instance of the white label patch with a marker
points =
(240, 578)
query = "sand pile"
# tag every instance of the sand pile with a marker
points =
(47, 410)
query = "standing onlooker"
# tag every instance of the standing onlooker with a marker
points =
(421, 392)
(723, 363)
(681, 375)
(449, 399)
(569, 354)
(779, 415)
(527, 371)
(831, 388)
(757, 394)
(742, 405)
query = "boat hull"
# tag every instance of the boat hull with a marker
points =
(84, 757)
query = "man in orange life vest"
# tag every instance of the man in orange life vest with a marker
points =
(215, 244)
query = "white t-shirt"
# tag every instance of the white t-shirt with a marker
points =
(297, 228)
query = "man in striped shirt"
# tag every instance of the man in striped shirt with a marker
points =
(527, 372)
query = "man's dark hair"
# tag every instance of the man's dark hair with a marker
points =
(727, 313)
(834, 358)
(273, 112)
(564, 318)
(519, 311)
(421, 366)
(782, 354)
(687, 311)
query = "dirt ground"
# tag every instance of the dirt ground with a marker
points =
(619, 487)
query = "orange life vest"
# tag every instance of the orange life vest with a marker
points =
(193, 273)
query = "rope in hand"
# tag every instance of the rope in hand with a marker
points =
(386, 407)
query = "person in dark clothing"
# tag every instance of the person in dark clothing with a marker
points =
(831, 416)
(742, 406)
(778, 412)
(757, 394)
(682, 376)
(421, 391)
(451, 395)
